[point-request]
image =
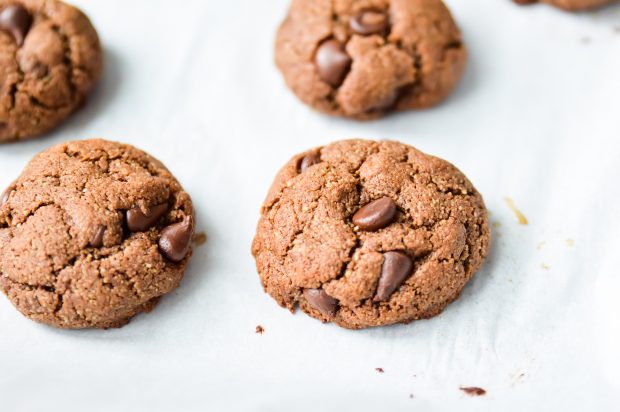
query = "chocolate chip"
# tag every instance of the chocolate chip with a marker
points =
(388, 102)
(375, 215)
(395, 270)
(309, 160)
(97, 239)
(16, 20)
(138, 221)
(5, 195)
(332, 62)
(176, 239)
(321, 301)
(368, 22)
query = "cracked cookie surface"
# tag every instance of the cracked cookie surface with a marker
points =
(369, 234)
(364, 58)
(92, 233)
(50, 58)
(570, 5)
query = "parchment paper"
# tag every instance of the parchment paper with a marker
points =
(536, 119)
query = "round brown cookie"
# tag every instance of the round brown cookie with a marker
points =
(369, 233)
(364, 58)
(570, 5)
(92, 233)
(50, 58)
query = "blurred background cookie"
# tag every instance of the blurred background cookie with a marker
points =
(571, 5)
(50, 58)
(362, 59)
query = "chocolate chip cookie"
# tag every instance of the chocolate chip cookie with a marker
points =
(92, 233)
(570, 5)
(365, 233)
(50, 58)
(362, 59)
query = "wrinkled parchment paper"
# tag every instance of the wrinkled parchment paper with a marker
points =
(536, 119)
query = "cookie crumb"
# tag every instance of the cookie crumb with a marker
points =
(545, 266)
(516, 378)
(473, 391)
(541, 245)
(518, 214)
(570, 242)
(260, 330)
(497, 225)
(380, 370)
(199, 238)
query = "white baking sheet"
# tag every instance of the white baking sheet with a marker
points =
(536, 118)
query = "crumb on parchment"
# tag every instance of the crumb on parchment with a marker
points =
(473, 390)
